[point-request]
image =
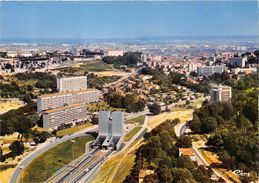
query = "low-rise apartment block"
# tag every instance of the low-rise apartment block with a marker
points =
(51, 101)
(115, 53)
(69, 84)
(63, 115)
(210, 70)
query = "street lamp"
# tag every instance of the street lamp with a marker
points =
(73, 141)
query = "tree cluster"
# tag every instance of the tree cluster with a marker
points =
(19, 120)
(160, 154)
(40, 137)
(16, 149)
(45, 80)
(233, 129)
(93, 81)
(129, 59)
(14, 89)
(154, 108)
(131, 102)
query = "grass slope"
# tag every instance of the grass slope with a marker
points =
(139, 119)
(74, 129)
(45, 165)
(131, 134)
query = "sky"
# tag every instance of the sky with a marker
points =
(127, 20)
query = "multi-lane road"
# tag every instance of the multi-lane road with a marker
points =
(25, 161)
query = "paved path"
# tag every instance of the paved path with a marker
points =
(201, 161)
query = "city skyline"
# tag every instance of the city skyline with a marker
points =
(127, 20)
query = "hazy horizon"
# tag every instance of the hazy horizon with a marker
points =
(128, 20)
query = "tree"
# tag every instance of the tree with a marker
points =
(154, 108)
(184, 142)
(182, 175)
(164, 174)
(27, 98)
(40, 137)
(251, 110)
(94, 119)
(215, 140)
(152, 178)
(209, 124)
(194, 74)
(195, 124)
(242, 122)
(17, 148)
(130, 179)
(133, 104)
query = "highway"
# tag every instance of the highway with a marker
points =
(87, 169)
(44, 147)
(72, 167)
(25, 161)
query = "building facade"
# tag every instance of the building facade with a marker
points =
(237, 61)
(115, 53)
(69, 84)
(111, 129)
(210, 70)
(64, 115)
(51, 101)
(220, 93)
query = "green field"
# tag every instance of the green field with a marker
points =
(131, 134)
(45, 165)
(95, 66)
(139, 119)
(74, 129)
(87, 66)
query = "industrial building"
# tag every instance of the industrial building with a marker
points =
(51, 101)
(69, 84)
(220, 93)
(63, 115)
(111, 129)
(210, 70)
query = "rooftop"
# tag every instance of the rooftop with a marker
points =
(66, 93)
(186, 152)
(63, 108)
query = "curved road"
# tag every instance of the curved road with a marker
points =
(199, 156)
(25, 161)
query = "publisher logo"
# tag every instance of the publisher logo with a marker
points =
(241, 173)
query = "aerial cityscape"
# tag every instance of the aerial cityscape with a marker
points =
(129, 92)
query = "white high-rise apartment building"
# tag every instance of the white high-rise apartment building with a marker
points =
(221, 93)
(69, 84)
(210, 70)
